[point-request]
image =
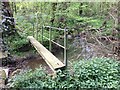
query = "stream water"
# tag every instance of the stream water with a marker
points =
(33, 62)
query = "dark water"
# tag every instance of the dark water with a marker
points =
(33, 63)
(36, 63)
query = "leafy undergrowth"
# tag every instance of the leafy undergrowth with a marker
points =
(16, 43)
(19, 45)
(95, 73)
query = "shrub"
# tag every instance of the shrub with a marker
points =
(95, 73)
(98, 72)
(31, 79)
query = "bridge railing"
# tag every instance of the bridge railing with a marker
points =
(52, 41)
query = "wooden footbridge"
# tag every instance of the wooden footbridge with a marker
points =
(53, 62)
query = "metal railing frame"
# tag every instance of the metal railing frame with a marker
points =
(51, 41)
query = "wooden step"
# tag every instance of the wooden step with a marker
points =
(53, 62)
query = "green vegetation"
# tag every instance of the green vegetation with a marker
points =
(92, 32)
(30, 17)
(95, 73)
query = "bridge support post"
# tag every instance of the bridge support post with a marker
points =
(50, 37)
(42, 34)
(65, 45)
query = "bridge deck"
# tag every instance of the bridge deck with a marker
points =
(51, 60)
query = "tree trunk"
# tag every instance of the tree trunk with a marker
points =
(8, 23)
(80, 9)
(53, 12)
(118, 30)
(3, 50)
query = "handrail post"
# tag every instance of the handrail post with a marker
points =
(50, 38)
(65, 45)
(37, 26)
(42, 34)
(33, 29)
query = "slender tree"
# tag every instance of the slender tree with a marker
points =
(118, 28)
(80, 9)
(53, 12)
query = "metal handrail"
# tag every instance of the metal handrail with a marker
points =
(51, 41)
(54, 28)
(54, 42)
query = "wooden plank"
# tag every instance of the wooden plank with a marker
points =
(50, 59)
